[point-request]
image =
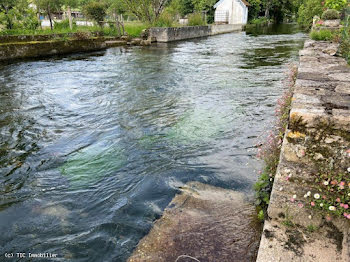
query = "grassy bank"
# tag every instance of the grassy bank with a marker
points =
(133, 29)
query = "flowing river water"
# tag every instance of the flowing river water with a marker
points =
(94, 146)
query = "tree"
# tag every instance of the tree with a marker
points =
(49, 6)
(254, 9)
(186, 7)
(96, 11)
(117, 8)
(11, 8)
(70, 4)
(146, 10)
(336, 4)
(308, 10)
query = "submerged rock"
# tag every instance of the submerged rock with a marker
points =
(203, 222)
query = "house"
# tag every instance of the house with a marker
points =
(231, 12)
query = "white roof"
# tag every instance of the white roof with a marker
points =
(218, 3)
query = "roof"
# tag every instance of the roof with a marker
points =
(243, 1)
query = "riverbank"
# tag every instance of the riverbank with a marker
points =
(35, 46)
(304, 224)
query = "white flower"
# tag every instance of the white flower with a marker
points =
(281, 188)
(317, 196)
(332, 208)
(321, 205)
(310, 217)
(308, 193)
(349, 169)
(305, 195)
(326, 183)
(349, 194)
(294, 196)
(290, 175)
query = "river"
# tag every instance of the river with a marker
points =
(94, 146)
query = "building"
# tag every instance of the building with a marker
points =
(231, 12)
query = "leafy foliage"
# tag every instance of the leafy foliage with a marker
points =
(195, 19)
(146, 10)
(308, 10)
(322, 35)
(96, 11)
(49, 6)
(336, 4)
(63, 25)
(165, 20)
(330, 14)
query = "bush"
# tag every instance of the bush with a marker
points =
(96, 11)
(165, 20)
(307, 11)
(322, 35)
(330, 14)
(64, 24)
(195, 19)
(259, 21)
(336, 4)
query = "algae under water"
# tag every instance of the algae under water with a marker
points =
(94, 146)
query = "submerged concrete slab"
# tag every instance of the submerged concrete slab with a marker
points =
(203, 222)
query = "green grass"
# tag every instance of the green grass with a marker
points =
(133, 29)
(322, 35)
(311, 228)
(259, 21)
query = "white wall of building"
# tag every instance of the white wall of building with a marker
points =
(237, 11)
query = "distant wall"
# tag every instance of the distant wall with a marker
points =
(21, 50)
(223, 29)
(169, 34)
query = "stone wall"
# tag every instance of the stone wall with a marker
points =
(169, 34)
(223, 29)
(21, 50)
(36, 38)
(316, 142)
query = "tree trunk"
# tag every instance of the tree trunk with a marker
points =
(49, 14)
(9, 22)
(267, 11)
(70, 18)
(122, 24)
(116, 22)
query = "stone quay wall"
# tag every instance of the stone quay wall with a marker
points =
(317, 141)
(170, 34)
(23, 50)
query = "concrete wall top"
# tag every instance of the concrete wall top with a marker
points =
(169, 34)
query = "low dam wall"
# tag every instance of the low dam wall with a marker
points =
(39, 38)
(311, 190)
(22, 50)
(169, 34)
